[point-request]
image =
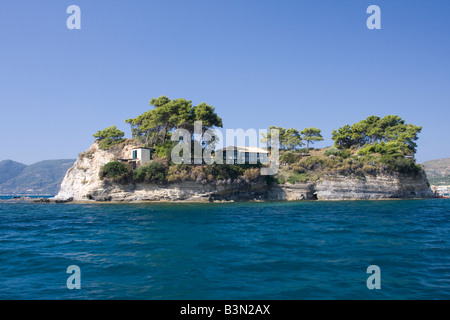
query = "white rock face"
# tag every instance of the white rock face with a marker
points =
(82, 183)
(352, 188)
(83, 178)
(374, 187)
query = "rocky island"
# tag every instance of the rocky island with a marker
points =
(372, 159)
(83, 182)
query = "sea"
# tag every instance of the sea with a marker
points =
(226, 251)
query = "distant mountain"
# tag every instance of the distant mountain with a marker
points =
(10, 169)
(41, 178)
(438, 171)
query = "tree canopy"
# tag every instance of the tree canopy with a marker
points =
(291, 139)
(311, 135)
(386, 134)
(109, 137)
(154, 126)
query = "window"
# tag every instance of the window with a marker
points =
(134, 154)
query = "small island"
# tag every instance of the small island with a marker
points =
(370, 160)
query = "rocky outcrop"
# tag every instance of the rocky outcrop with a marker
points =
(82, 183)
(374, 187)
(180, 191)
(83, 179)
(394, 186)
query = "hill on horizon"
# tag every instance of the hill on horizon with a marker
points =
(10, 169)
(438, 171)
(41, 178)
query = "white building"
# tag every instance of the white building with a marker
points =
(141, 155)
(247, 155)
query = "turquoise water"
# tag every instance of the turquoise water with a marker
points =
(303, 250)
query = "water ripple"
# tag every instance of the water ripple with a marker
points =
(305, 250)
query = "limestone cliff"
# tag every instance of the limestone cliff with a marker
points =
(82, 183)
(83, 178)
(394, 186)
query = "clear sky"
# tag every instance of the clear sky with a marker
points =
(296, 63)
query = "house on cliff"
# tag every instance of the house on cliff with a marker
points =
(139, 157)
(244, 155)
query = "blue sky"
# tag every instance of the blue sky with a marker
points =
(259, 62)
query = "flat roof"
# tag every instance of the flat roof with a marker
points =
(244, 149)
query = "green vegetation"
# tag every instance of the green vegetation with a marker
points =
(298, 177)
(390, 138)
(152, 172)
(303, 150)
(311, 135)
(369, 147)
(289, 157)
(333, 151)
(154, 127)
(214, 172)
(224, 171)
(383, 135)
(164, 149)
(336, 162)
(400, 164)
(116, 171)
(109, 137)
(160, 171)
(292, 139)
(280, 179)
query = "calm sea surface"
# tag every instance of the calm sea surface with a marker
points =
(303, 250)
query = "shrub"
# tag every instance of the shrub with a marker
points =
(161, 160)
(252, 174)
(314, 162)
(298, 177)
(224, 171)
(297, 168)
(177, 173)
(400, 164)
(370, 169)
(197, 173)
(279, 179)
(332, 151)
(115, 171)
(86, 154)
(394, 148)
(289, 157)
(345, 153)
(154, 171)
(304, 150)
